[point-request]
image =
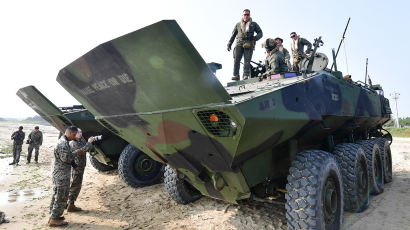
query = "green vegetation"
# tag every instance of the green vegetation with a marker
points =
(36, 120)
(6, 151)
(399, 132)
(404, 122)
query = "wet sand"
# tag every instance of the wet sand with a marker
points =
(25, 193)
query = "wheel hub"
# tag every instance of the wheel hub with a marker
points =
(330, 198)
(362, 182)
(143, 165)
(377, 170)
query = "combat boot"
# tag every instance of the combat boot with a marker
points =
(12, 163)
(55, 222)
(73, 208)
(235, 78)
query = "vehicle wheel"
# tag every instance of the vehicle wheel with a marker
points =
(100, 166)
(137, 169)
(384, 146)
(178, 188)
(355, 176)
(315, 192)
(374, 166)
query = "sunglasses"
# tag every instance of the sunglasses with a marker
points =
(293, 36)
(245, 14)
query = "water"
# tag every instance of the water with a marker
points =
(19, 196)
(5, 168)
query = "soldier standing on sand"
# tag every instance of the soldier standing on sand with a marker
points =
(279, 44)
(63, 158)
(298, 45)
(18, 138)
(245, 44)
(35, 141)
(78, 170)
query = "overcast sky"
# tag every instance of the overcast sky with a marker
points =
(38, 38)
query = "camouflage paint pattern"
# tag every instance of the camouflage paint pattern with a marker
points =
(156, 91)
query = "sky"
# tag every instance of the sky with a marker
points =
(40, 37)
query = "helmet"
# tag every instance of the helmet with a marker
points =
(269, 44)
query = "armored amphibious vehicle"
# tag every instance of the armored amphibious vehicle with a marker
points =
(312, 140)
(135, 167)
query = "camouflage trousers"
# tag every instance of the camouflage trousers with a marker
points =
(59, 200)
(296, 63)
(16, 153)
(76, 183)
(30, 150)
(238, 53)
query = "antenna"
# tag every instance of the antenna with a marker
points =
(343, 37)
(365, 76)
(395, 96)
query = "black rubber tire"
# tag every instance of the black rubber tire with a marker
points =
(374, 165)
(355, 176)
(128, 172)
(100, 166)
(384, 145)
(309, 175)
(180, 190)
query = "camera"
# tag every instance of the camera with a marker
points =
(97, 138)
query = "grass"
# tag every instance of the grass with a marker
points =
(6, 151)
(399, 132)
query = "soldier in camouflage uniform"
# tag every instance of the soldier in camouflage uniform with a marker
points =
(35, 141)
(298, 46)
(279, 44)
(78, 170)
(63, 158)
(275, 61)
(18, 138)
(245, 44)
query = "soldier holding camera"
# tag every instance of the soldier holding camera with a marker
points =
(18, 138)
(63, 158)
(35, 140)
(78, 170)
(245, 44)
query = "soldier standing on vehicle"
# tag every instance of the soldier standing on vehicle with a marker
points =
(18, 138)
(35, 140)
(279, 43)
(63, 158)
(275, 61)
(298, 45)
(245, 44)
(78, 170)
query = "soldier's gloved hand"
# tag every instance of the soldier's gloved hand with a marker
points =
(229, 46)
(80, 151)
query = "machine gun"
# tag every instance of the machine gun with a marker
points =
(257, 70)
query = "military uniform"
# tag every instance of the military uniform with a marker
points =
(78, 172)
(36, 140)
(275, 63)
(286, 54)
(298, 50)
(63, 157)
(18, 138)
(245, 43)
